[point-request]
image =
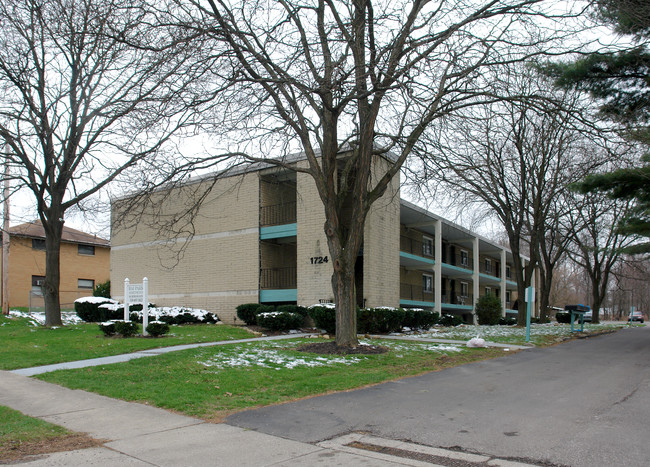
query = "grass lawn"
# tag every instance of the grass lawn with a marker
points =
(21, 435)
(25, 344)
(215, 381)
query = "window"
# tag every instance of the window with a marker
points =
(488, 291)
(464, 289)
(88, 250)
(488, 265)
(37, 284)
(464, 258)
(507, 296)
(38, 244)
(508, 274)
(85, 284)
(427, 246)
(427, 283)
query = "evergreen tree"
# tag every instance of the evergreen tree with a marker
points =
(620, 81)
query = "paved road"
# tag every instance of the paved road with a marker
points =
(582, 403)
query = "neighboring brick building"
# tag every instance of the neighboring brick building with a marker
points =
(85, 262)
(258, 237)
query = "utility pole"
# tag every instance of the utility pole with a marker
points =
(5, 243)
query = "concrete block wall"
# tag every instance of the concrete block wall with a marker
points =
(216, 270)
(314, 280)
(381, 269)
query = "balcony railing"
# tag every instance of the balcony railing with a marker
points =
(278, 278)
(415, 247)
(278, 214)
(415, 292)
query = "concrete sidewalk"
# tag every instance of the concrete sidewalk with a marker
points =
(139, 435)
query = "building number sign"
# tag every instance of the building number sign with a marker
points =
(319, 259)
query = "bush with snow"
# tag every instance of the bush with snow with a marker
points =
(88, 308)
(126, 328)
(380, 320)
(324, 317)
(450, 320)
(107, 327)
(279, 320)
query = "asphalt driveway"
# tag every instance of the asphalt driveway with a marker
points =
(582, 403)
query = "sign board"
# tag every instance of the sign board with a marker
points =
(136, 293)
(530, 295)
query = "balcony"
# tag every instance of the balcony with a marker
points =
(415, 247)
(415, 292)
(278, 214)
(278, 278)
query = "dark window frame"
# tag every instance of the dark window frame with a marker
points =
(88, 251)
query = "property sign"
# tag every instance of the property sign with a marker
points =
(137, 293)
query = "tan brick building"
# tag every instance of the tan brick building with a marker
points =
(85, 262)
(258, 237)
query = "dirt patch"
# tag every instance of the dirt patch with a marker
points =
(330, 348)
(17, 451)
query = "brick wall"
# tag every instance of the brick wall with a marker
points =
(25, 262)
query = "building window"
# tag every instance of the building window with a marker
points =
(38, 244)
(427, 283)
(464, 289)
(488, 291)
(427, 246)
(508, 273)
(488, 265)
(464, 258)
(85, 284)
(87, 250)
(37, 284)
(507, 296)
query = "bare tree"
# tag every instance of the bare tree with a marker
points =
(515, 158)
(350, 82)
(89, 90)
(596, 244)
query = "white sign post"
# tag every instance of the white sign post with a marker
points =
(137, 293)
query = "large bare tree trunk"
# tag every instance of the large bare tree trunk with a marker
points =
(54, 231)
(346, 316)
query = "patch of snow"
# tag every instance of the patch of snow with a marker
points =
(94, 300)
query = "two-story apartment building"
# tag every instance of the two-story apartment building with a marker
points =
(258, 237)
(84, 264)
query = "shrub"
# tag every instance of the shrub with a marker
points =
(88, 309)
(489, 310)
(324, 318)
(126, 328)
(247, 312)
(379, 320)
(157, 328)
(301, 310)
(563, 317)
(450, 320)
(103, 290)
(507, 321)
(107, 327)
(279, 320)
(416, 318)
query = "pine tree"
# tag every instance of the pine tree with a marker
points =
(621, 83)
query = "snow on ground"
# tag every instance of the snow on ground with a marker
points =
(38, 317)
(465, 332)
(280, 355)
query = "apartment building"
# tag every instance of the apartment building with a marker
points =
(258, 237)
(84, 263)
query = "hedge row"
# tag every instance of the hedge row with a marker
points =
(103, 310)
(376, 320)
